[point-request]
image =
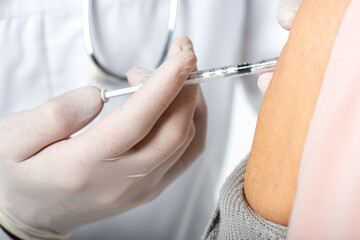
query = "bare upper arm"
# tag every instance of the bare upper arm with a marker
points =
(286, 112)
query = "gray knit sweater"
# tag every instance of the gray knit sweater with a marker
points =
(234, 219)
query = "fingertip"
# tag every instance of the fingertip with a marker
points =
(185, 44)
(178, 67)
(264, 81)
(92, 95)
(285, 21)
(80, 105)
(286, 14)
(180, 44)
(189, 58)
(90, 90)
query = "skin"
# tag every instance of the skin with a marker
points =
(287, 109)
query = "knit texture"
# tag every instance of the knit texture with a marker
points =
(234, 219)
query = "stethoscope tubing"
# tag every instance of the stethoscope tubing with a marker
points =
(87, 10)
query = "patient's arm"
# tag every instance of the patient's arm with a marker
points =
(286, 112)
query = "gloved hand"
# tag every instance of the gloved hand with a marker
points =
(285, 16)
(51, 184)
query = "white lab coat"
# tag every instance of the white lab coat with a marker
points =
(42, 55)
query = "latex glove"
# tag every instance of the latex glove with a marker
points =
(287, 11)
(51, 184)
(285, 16)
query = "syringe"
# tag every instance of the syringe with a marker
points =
(207, 75)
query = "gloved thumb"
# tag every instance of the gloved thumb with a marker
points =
(264, 80)
(25, 133)
(287, 11)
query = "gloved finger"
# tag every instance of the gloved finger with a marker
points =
(150, 185)
(195, 148)
(171, 169)
(167, 136)
(287, 11)
(25, 133)
(264, 81)
(171, 131)
(131, 122)
(180, 44)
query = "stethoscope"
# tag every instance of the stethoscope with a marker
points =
(88, 39)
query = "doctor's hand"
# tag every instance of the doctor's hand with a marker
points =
(285, 16)
(51, 183)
